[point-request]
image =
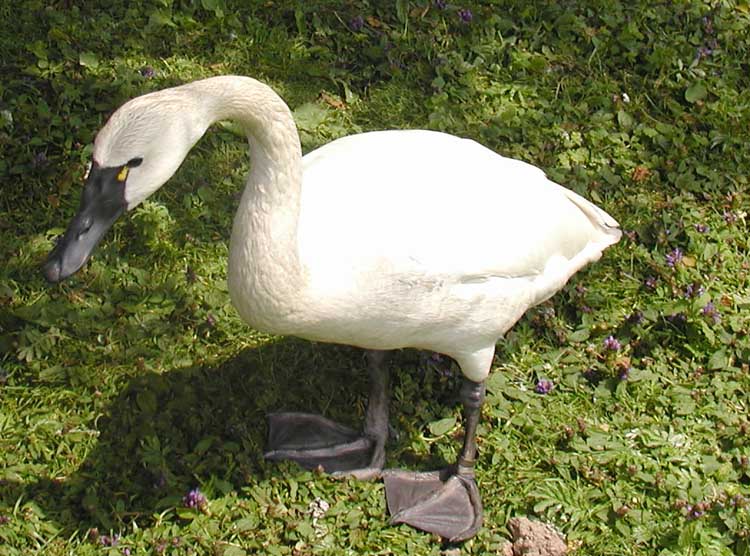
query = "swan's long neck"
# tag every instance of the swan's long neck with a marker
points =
(265, 277)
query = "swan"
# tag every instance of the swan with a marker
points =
(382, 240)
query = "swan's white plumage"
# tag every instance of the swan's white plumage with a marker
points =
(418, 238)
(380, 240)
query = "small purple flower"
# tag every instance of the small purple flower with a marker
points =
(729, 217)
(678, 319)
(692, 512)
(703, 52)
(465, 15)
(441, 4)
(674, 257)
(701, 228)
(693, 290)
(585, 309)
(126, 551)
(650, 283)
(40, 160)
(107, 540)
(160, 481)
(632, 235)
(708, 25)
(636, 317)
(710, 311)
(543, 386)
(148, 72)
(611, 344)
(357, 23)
(194, 499)
(624, 374)
(592, 375)
(4, 519)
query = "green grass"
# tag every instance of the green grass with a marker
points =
(135, 382)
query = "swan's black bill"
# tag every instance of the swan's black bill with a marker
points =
(102, 202)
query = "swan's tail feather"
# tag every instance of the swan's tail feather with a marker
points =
(608, 225)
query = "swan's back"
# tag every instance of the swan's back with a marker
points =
(450, 206)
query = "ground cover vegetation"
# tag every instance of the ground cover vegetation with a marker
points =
(132, 398)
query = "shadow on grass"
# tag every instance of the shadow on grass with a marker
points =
(165, 434)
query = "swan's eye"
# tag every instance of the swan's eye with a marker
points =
(134, 162)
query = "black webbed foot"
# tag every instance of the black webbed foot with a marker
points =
(315, 442)
(442, 502)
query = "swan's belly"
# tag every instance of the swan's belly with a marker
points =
(427, 314)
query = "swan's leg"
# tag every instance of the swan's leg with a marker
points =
(446, 502)
(315, 442)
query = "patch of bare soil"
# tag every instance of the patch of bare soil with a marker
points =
(533, 538)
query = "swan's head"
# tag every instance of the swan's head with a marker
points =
(135, 153)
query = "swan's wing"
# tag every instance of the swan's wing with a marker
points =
(419, 202)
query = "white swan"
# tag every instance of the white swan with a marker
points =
(382, 240)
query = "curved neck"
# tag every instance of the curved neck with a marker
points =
(275, 152)
(264, 271)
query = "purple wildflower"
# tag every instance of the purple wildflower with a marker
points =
(107, 540)
(701, 228)
(708, 25)
(636, 317)
(40, 160)
(678, 319)
(441, 4)
(624, 373)
(611, 344)
(650, 283)
(703, 52)
(543, 386)
(4, 519)
(443, 365)
(126, 551)
(585, 309)
(465, 15)
(710, 311)
(194, 499)
(693, 512)
(148, 72)
(592, 375)
(693, 290)
(729, 217)
(357, 23)
(674, 257)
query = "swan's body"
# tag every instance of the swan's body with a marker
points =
(381, 240)
(397, 251)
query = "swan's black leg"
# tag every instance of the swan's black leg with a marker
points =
(316, 442)
(446, 502)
